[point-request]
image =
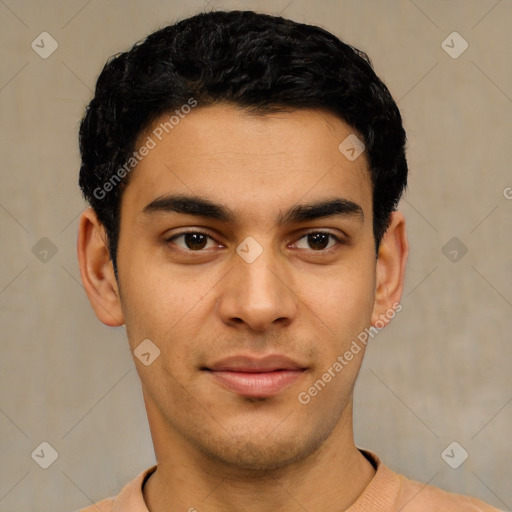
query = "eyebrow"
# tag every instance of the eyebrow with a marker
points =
(201, 207)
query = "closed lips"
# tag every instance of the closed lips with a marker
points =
(256, 377)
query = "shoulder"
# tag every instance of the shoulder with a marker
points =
(418, 497)
(129, 499)
(394, 491)
(105, 505)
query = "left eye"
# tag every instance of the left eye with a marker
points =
(319, 241)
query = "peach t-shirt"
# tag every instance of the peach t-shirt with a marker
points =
(387, 492)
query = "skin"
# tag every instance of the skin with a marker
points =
(217, 450)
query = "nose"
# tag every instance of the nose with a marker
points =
(258, 294)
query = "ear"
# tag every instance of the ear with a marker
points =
(97, 271)
(390, 275)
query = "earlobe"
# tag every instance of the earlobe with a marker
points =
(390, 275)
(97, 271)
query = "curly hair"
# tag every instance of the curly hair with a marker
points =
(256, 61)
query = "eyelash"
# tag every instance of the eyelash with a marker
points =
(338, 240)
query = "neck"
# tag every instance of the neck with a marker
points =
(331, 478)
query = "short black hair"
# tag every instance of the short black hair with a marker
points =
(256, 61)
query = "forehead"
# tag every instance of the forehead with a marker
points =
(255, 163)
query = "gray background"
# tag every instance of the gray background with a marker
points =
(439, 373)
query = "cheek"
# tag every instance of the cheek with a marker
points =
(167, 309)
(145, 301)
(341, 312)
(342, 300)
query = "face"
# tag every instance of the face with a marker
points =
(246, 256)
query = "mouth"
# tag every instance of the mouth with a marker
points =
(256, 377)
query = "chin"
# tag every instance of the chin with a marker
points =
(263, 453)
(255, 457)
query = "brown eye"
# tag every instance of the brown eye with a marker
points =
(193, 241)
(319, 241)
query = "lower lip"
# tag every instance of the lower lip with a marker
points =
(261, 385)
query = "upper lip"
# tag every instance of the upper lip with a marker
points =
(250, 364)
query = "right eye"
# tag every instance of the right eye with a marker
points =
(193, 241)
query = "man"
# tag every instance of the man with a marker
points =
(244, 173)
